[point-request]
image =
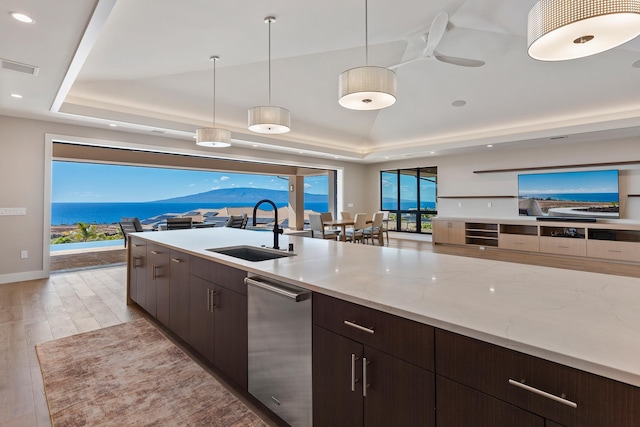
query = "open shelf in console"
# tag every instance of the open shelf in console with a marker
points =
(563, 232)
(525, 230)
(614, 235)
(480, 233)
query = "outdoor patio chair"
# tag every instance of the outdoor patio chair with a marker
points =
(237, 221)
(179, 223)
(127, 227)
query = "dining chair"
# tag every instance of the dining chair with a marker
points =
(346, 215)
(385, 226)
(356, 233)
(317, 228)
(374, 230)
(326, 217)
(179, 223)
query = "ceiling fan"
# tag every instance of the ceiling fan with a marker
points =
(432, 39)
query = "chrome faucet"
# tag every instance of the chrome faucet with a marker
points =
(276, 230)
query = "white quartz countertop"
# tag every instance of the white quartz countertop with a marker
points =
(588, 321)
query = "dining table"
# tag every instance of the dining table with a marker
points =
(342, 223)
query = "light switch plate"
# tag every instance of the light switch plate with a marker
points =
(13, 211)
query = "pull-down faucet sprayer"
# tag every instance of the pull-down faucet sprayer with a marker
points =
(276, 229)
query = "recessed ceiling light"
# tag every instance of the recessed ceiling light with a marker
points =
(459, 103)
(432, 152)
(22, 17)
(255, 145)
(16, 95)
(113, 125)
(490, 146)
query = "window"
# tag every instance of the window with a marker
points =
(410, 197)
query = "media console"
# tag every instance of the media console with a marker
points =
(601, 240)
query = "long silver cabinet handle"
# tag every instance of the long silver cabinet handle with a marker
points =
(543, 393)
(364, 377)
(208, 300)
(178, 260)
(354, 380)
(360, 328)
(155, 252)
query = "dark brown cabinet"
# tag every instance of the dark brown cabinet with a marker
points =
(557, 393)
(461, 406)
(156, 301)
(218, 317)
(365, 370)
(137, 263)
(179, 294)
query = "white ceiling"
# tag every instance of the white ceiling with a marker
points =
(144, 64)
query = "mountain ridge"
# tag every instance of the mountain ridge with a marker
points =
(241, 195)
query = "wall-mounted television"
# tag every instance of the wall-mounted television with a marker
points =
(587, 194)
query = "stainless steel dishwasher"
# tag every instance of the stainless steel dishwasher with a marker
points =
(280, 348)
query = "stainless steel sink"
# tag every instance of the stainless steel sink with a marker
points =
(250, 253)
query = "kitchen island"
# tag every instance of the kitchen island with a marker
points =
(584, 321)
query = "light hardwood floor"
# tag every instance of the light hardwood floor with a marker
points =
(42, 310)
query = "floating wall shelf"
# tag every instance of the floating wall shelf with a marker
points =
(583, 165)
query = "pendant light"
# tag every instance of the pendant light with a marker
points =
(568, 29)
(269, 119)
(213, 136)
(367, 88)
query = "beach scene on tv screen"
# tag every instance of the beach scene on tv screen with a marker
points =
(569, 194)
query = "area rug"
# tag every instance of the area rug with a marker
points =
(132, 375)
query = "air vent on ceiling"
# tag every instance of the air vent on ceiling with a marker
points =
(157, 131)
(21, 68)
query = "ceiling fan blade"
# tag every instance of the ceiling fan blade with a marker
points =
(393, 67)
(463, 62)
(438, 27)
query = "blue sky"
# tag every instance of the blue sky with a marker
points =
(90, 182)
(569, 182)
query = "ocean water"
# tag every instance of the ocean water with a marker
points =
(575, 197)
(110, 213)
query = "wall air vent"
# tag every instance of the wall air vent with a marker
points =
(21, 68)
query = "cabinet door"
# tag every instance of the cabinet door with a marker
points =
(157, 295)
(230, 350)
(137, 271)
(201, 317)
(179, 295)
(460, 406)
(398, 393)
(337, 388)
(440, 231)
(456, 232)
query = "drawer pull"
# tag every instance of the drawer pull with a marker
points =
(614, 251)
(563, 247)
(178, 260)
(155, 252)
(361, 328)
(543, 393)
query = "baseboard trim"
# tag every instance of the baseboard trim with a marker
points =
(23, 277)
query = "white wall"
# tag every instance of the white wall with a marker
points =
(25, 177)
(456, 175)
